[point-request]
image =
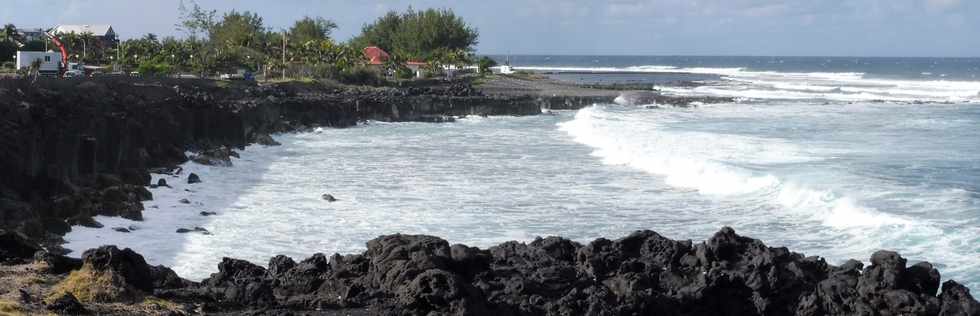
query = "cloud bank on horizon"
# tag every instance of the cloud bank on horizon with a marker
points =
(634, 27)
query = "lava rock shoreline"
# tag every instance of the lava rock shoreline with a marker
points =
(640, 274)
(74, 149)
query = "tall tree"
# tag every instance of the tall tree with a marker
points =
(195, 21)
(311, 29)
(9, 33)
(381, 33)
(238, 29)
(419, 34)
(9, 39)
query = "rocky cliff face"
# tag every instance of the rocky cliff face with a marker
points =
(70, 150)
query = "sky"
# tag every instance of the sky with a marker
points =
(936, 28)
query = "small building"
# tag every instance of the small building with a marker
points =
(376, 56)
(417, 67)
(50, 61)
(31, 34)
(103, 32)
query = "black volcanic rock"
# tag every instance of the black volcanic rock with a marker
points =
(67, 304)
(15, 247)
(956, 300)
(193, 178)
(132, 268)
(220, 156)
(266, 140)
(641, 274)
(57, 264)
(201, 230)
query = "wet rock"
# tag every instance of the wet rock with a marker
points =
(193, 178)
(956, 300)
(67, 304)
(124, 201)
(206, 213)
(266, 140)
(633, 98)
(328, 198)
(220, 156)
(85, 221)
(184, 201)
(121, 229)
(15, 247)
(201, 230)
(162, 183)
(921, 278)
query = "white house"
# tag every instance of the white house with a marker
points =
(103, 32)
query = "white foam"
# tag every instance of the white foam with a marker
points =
(703, 162)
(832, 86)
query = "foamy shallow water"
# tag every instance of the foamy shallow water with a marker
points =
(835, 181)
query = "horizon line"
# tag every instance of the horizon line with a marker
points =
(719, 55)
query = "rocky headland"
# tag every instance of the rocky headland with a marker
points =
(71, 150)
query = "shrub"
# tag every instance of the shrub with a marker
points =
(485, 63)
(360, 76)
(404, 73)
(151, 69)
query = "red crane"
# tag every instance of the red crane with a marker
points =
(64, 53)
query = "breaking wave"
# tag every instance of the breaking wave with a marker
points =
(829, 86)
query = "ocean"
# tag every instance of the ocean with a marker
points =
(832, 157)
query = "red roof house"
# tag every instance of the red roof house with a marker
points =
(376, 55)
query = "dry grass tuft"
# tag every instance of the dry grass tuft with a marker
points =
(91, 286)
(10, 308)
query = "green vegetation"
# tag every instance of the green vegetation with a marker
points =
(215, 43)
(8, 46)
(421, 35)
(484, 64)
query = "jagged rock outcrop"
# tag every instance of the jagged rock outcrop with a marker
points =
(16, 248)
(109, 274)
(641, 274)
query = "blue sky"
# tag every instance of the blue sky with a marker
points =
(630, 27)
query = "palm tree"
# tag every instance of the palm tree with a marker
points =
(8, 33)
